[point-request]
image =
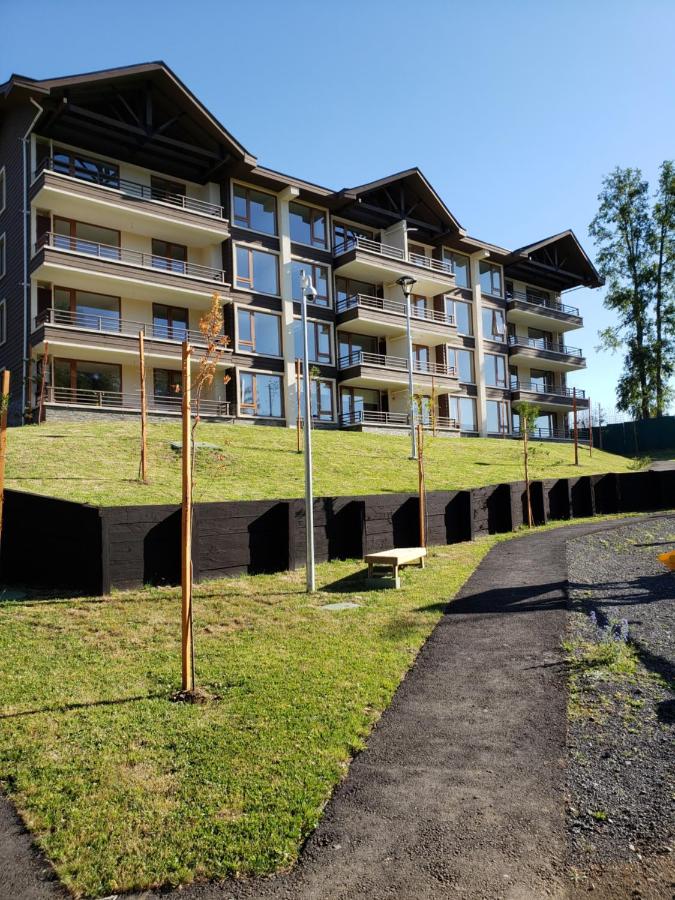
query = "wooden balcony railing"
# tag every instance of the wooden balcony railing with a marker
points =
(111, 253)
(357, 242)
(395, 307)
(384, 361)
(134, 189)
(119, 400)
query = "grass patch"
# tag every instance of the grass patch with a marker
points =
(97, 462)
(125, 789)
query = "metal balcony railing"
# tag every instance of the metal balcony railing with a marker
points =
(107, 323)
(536, 387)
(134, 189)
(111, 253)
(395, 307)
(549, 434)
(377, 417)
(357, 242)
(384, 361)
(542, 302)
(119, 400)
(543, 344)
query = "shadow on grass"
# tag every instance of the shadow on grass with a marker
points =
(68, 707)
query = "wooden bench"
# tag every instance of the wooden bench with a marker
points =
(395, 559)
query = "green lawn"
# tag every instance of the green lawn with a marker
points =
(98, 463)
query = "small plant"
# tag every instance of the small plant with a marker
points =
(598, 814)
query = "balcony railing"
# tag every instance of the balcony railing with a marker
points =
(111, 253)
(384, 361)
(547, 304)
(119, 400)
(134, 189)
(535, 387)
(543, 344)
(104, 323)
(550, 434)
(402, 420)
(357, 242)
(395, 307)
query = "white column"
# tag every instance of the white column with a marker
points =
(479, 355)
(286, 289)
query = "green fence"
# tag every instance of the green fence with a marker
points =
(637, 438)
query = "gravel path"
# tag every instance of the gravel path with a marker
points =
(622, 756)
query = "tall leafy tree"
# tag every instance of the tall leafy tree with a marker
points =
(623, 232)
(636, 254)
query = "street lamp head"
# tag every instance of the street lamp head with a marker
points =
(406, 283)
(308, 289)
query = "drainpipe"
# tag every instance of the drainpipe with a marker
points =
(25, 141)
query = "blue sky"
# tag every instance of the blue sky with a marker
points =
(513, 110)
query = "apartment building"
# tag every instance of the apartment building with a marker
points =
(125, 206)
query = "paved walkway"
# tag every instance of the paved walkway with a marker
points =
(460, 790)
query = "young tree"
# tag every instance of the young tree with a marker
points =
(528, 414)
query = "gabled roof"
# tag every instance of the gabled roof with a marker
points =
(560, 258)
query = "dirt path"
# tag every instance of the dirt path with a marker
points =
(460, 792)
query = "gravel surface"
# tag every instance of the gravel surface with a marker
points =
(621, 807)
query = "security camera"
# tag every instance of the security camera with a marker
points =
(308, 288)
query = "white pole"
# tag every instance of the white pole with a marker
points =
(307, 288)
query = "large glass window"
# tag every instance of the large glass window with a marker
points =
(68, 162)
(308, 225)
(463, 409)
(258, 332)
(350, 287)
(351, 345)
(461, 267)
(494, 327)
(319, 276)
(170, 322)
(79, 381)
(86, 309)
(497, 417)
(261, 395)
(357, 400)
(168, 385)
(462, 360)
(495, 370)
(490, 279)
(254, 209)
(541, 380)
(321, 396)
(343, 234)
(462, 313)
(318, 338)
(85, 238)
(169, 256)
(257, 271)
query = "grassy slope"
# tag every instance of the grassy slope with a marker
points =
(98, 463)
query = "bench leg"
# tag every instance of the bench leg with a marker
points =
(370, 570)
(422, 563)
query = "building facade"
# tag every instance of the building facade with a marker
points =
(125, 206)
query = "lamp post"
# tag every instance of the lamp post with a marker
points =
(308, 291)
(406, 284)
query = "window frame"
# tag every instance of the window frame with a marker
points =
(315, 211)
(315, 340)
(497, 356)
(448, 255)
(454, 301)
(494, 310)
(3, 189)
(331, 383)
(503, 417)
(253, 373)
(312, 265)
(472, 356)
(3, 321)
(493, 267)
(248, 188)
(251, 287)
(251, 311)
(3, 254)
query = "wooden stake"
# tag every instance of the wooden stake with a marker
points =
(4, 407)
(144, 410)
(188, 681)
(298, 417)
(590, 429)
(576, 427)
(421, 486)
(43, 383)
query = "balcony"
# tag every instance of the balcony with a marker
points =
(381, 317)
(365, 419)
(366, 260)
(103, 268)
(378, 370)
(548, 397)
(82, 329)
(541, 313)
(129, 206)
(118, 402)
(549, 433)
(556, 355)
